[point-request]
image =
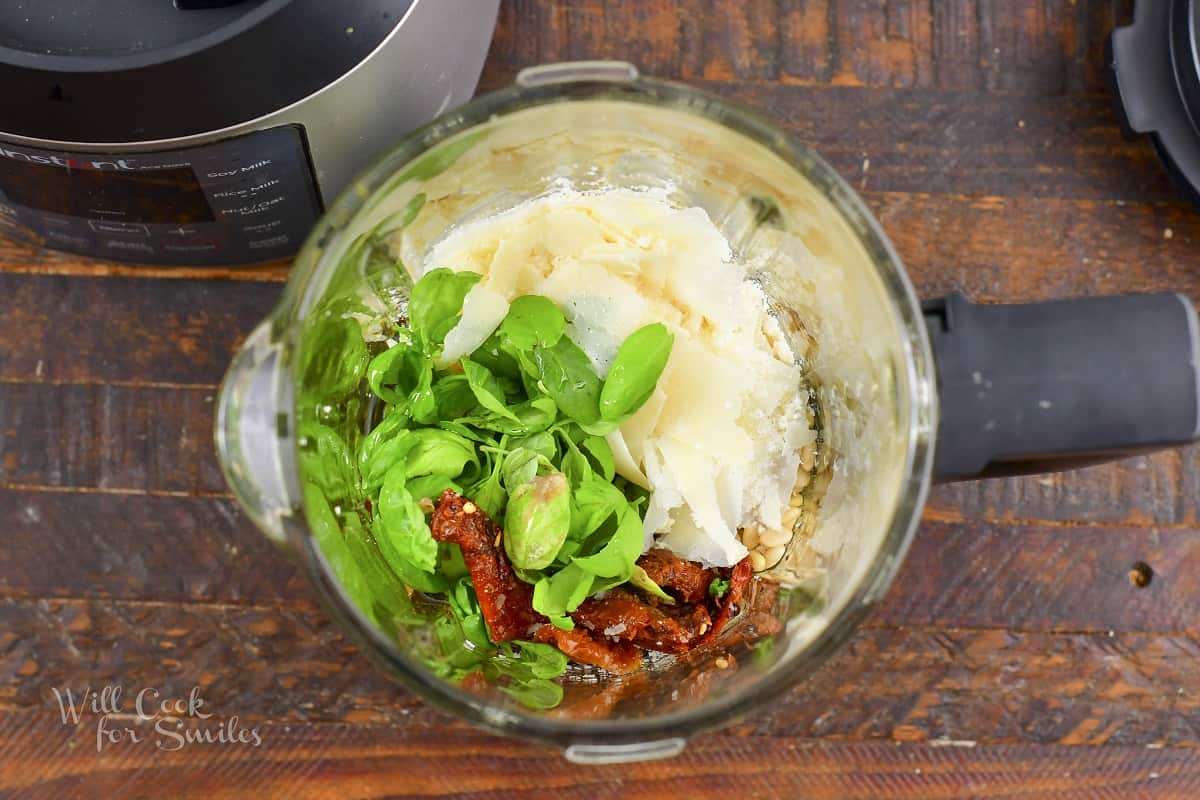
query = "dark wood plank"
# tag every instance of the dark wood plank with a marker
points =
(916, 684)
(1046, 578)
(20, 257)
(98, 330)
(109, 437)
(1023, 47)
(160, 549)
(318, 762)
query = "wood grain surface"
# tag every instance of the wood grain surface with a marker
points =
(1016, 655)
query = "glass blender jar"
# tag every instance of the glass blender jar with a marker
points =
(295, 404)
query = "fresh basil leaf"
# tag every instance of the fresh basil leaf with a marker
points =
(441, 452)
(391, 426)
(326, 461)
(569, 379)
(430, 487)
(541, 443)
(594, 502)
(718, 588)
(537, 521)
(494, 355)
(536, 693)
(392, 604)
(465, 608)
(422, 402)
(333, 356)
(601, 456)
(533, 321)
(450, 561)
(457, 426)
(616, 558)
(532, 416)
(487, 390)
(643, 581)
(544, 660)
(384, 457)
(489, 494)
(635, 371)
(575, 466)
(520, 467)
(453, 397)
(403, 535)
(559, 594)
(328, 534)
(436, 302)
(399, 371)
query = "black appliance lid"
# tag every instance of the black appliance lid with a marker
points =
(1155, 72)
(139, 70)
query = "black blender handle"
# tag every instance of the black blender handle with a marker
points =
(1050, 386)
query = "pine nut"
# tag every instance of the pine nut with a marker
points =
(803, 476)
(773, 556)
(791, 517)
(808, 454)
(750, 537)
(772, 539)
(757, 562)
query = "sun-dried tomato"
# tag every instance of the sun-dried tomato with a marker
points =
(684, 580)
(505, 600)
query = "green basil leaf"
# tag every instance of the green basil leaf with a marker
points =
(391, 426)
(635, 371)
(465, 607)
(494, 355)
(403, 535)
(718, 588)
(533, 321)
(520, 467)
(489, 494)
(643, 581)
(326, 461)
(450, 561)
(602, 456)
(430, 487)
(436, 302)
(568, 377)
(536, 693)
(616, 558)
(537, 521)
(441, 452)
(422, 403)
(333, 356)
(328, 534)
(559, 594)
(541, 443)
(532, 416)
(384, 457)
(594, 502)
(544, 660)
(399, 371)
(453, 397)
(487, 390)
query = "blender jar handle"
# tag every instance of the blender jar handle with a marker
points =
(254, 433)
(1057, 385)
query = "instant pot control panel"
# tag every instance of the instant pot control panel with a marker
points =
(241, 200)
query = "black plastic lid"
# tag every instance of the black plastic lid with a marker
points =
(138, 70)
(1155, 72)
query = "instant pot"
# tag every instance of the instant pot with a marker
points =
(213, 132)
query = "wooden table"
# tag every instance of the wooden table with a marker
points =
(1013, 656)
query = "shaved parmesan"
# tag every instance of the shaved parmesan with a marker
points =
(718, 441)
